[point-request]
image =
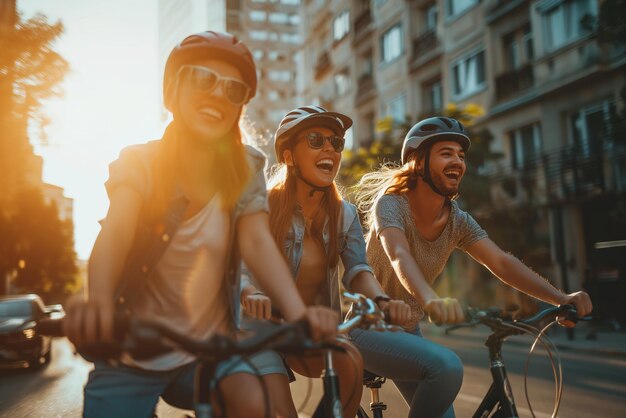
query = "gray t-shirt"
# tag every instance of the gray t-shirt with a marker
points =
(394, 211)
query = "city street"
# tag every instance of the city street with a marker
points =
(593, 385)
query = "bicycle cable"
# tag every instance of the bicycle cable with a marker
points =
(550, 347)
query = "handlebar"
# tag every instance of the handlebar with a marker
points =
(146, 339)
(498, 320)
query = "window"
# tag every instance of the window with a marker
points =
(434, 96)
(525, 146)
(469, 74)
(258, 35)
(591, 126)
(511, 52)
(456, 7)
(294, 19)
(342, 82)
(275, 75)
(396, 108)
(257, 16)
(431, 17)
(279, 18)
(527, 41)
(291, 2)
(258, 54)
(273, 95)
(341, 25)
(563, 23)
(290, 38)
(391, 44)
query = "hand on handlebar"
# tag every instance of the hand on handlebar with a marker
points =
(322, 322)
(444, 311)
(257, 305)
(89, 321)
(582, 302)
(397, 312)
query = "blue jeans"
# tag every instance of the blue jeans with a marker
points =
(428, 375)
(121, 391)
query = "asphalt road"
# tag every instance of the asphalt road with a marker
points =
(594, 386)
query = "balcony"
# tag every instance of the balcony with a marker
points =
(323, 65)
(365, 86)
(425, 43)
(362, 24)
(501, 8)
(514, 82)
(572, 173)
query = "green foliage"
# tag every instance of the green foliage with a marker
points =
(38, 248)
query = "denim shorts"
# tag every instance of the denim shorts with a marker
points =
(122, 391)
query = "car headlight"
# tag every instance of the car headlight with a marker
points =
(29, 333)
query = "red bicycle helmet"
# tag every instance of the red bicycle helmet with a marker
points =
(209, 45)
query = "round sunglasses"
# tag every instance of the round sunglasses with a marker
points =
(316, 141)
(205, 80)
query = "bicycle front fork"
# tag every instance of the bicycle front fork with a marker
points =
(330, 406)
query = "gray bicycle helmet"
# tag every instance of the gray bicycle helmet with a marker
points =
(305, 117)
(430, 130)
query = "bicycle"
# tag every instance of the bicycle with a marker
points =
(499, 397)
(144, 339)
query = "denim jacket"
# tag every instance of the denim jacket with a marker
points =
(133, 169)
(351, 247)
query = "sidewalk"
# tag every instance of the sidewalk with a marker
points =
(607, 341)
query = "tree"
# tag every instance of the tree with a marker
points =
(41, 250)
(35, 248)
(30, 72)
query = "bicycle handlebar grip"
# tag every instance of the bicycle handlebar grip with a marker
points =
(51, 327)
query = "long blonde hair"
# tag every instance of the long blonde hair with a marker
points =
(229, 172)
(389, 178)
(282, 200)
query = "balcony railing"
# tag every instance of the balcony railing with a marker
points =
(571, 173)
(425, 43)
(362, 22)
(513, 82)
(322, 65)
(365, 84)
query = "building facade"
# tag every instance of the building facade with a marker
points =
(548, 88)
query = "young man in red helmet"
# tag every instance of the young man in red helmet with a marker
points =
(415, 224)
(184, 210)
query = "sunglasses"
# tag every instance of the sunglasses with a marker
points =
(205, 80)
(316, 141)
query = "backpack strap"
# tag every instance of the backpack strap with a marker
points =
(150, 244)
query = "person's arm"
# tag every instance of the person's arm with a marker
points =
(365, 283)
(254, 302)
(516, 274)
(359, 276)
(439, 310)
(85, 317)
(267, 265)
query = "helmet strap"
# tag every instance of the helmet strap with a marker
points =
(426, 175)
(314, 188)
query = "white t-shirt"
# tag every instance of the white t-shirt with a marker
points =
(187, 292)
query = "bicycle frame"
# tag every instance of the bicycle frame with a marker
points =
(500, 394)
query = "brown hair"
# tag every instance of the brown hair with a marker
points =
(282, 200)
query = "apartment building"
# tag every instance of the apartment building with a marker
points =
(549, 90)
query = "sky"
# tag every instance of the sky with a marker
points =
(111, 98)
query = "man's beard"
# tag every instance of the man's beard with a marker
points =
(440, 183)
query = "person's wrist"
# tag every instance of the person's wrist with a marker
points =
(382, 301)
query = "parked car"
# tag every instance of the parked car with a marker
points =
(20, 343)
